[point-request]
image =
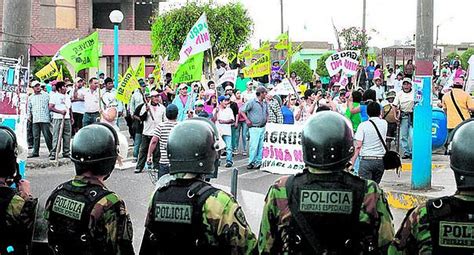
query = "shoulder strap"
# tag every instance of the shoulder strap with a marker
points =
(6, 195)
(456, 105)
(380, 136)
(389, 110)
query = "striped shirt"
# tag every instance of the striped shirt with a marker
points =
(162, 131)
(38, 107)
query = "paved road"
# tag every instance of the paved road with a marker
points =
(136, 190)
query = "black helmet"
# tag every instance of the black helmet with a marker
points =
(192, 147)
(8, 152)
(462, 155)
(95, 149)
(327, 141)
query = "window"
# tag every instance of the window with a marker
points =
(58, 14)
(124, 63)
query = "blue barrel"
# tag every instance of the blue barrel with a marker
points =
(439, 128)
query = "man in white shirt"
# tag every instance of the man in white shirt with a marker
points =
(151, 114)
(378, 88)
(224, 118)
(60, 105)
(397, 83)
(369, 146)
(78, 105)
(248, 94)
(404, 103)
(91, 103)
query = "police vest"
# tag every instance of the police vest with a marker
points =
(69, 217)
(451, 224)
(176, 224)
(8, 235)
(325, 212)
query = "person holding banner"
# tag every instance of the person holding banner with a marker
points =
(60, 105)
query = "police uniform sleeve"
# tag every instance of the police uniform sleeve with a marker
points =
(148, 246)
(269, 227)
(22, 214)
(225, 221)
(376, 211)
(111, 215)
(414, 236)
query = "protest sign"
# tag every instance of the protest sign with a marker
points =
(191, 70)
(282, 150)
(48, 71)
(127, 85)
(140, 71)
(346, 60)
(263, 50)
(284, 88)
(83, 53)
(259, 68)
(247, 53)
(197, 40)
(228, 76)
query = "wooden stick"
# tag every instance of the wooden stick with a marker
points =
(60, 139)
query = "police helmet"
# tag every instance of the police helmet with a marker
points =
(192, 147)
(462, 155)
(95, 148)
(8, 152)
(327, 141)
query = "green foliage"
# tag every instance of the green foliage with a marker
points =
(354, 39)
(321, 69)
(302, 70)
(42, 61)
(230, 27)
(452, 56)
(465, 57)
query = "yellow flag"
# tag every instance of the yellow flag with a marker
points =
(259, 68)
(247, 53)
(263, 50)
(48, 71)
(120, 77)
(127, 85)
(60, 74)
(283, 42)
(140, 71)
(157, 72)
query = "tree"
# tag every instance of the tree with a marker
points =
(355, 39)
(302, 70)
(465, 58)
(230, 27)
(42, 61)
(321, 69)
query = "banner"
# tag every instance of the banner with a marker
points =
(283, 42)
(228, 76)
(82, 54)
(191, 70)
(48, 71)
(247, 53)
(282, 150)
(140, 71)
(127, 85)
(284, 88)
(197, 40)
(263, 50)
(347, 61)
(259, 68)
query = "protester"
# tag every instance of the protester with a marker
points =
(335, 90)
(390, 114)
(404, 103)
(361, 77)
(276, 72)
(225, 119)
(91, 102)
(369, 146)
(160, 135)
(137, 126)
(240, 129)
(211, 102)
(151, 114)
(370, 73)
(60, 105)
(274, 109)
(306, 107)
(199, 110)
(109, 114)
(249, 93)
(39, 116)
(138, 96)
(78, 105)
(397, 84)
(288, 108)
(409, 69)
(255, 113)
(183, 101)
(151, 82)
(378, 88)
(369, 96)
(341, 101)
(353, 109)
(391, 77)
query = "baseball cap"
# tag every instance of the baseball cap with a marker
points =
(406, 80)
(78, 79)
(154, 93)
(35, 83)
(228, 88)
(198, 103)
(182, 86)
(150, 76)
(222, 98)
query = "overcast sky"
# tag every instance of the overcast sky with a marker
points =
(310, 20)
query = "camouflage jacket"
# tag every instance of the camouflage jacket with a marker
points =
(414, 236)
(277, 215)
(20, 217)
(108, 217)
(223, 220)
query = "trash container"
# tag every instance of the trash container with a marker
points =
(439, 128)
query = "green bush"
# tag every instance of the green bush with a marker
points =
(302, 70)
(321, 69)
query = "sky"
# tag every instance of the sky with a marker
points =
(392, 20)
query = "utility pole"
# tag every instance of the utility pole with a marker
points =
(421, 173)
(281, 16)
(364, 14)
(16, 28)
(437, 33)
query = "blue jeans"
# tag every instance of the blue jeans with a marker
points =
(237, 135)
(164, 169)
(228, 148)
(256, 145)
(90, 118)
(136, 145)
(406, 131)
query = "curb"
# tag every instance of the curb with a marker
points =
(406, 167)
(405, 200)
(47, 163)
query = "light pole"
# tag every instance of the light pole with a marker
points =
(116, 18)
(437, 30)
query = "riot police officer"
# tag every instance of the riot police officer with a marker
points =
(445, 225)
(186, 214)
(325, 209)
(17, 207)
(84, 216)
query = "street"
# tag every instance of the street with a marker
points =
(136, 190)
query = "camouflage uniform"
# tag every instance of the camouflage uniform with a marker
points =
(414, 236)
(223, 222)
(109, 223)
(277, 215)
(19, 220)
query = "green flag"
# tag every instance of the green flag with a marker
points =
(191, 70)
(83, 53)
